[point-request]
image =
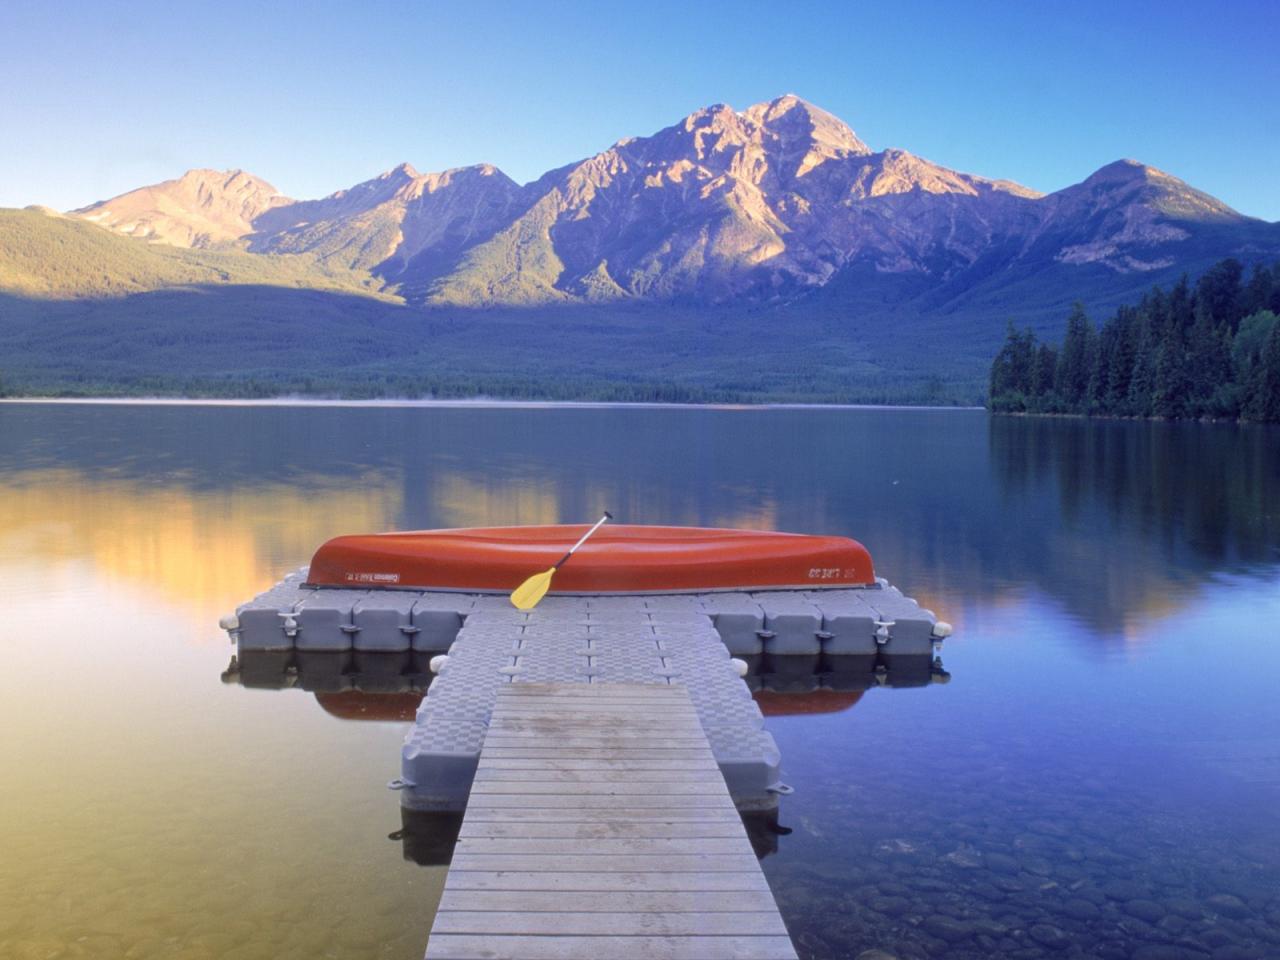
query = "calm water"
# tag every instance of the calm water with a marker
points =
(1099, 778)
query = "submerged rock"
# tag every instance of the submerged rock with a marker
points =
(1147, 910)
(1047, 935)
(1167, 951)
(1229, 905)
(948, 928)
(965, 856)
(1078, 909)
(890, 906)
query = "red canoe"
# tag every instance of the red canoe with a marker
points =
(617, 559)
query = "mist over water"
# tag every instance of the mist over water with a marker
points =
(1098, 779)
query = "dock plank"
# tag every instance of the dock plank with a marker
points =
(600, 829)
(570, 801)
(625, 923)
(634, 901)
(609, 790)
(611, 814)
(605, 846)
(579, 788)
(653, 881)
(704, 763)
(485, 947)
(551, 775)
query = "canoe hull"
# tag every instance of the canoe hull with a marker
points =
(618, 559)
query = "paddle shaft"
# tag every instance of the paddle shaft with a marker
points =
(599, 523)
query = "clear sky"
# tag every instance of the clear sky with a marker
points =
(98, 98)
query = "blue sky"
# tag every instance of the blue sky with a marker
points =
(97, 98)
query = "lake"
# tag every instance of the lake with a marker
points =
(1099, 778)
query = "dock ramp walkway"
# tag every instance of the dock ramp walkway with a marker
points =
(599, 825)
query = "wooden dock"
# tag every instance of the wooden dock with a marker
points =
(598, 826)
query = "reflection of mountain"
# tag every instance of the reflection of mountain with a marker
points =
(1105, 518)
(175, 540)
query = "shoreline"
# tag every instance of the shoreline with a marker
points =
(1117, 417)
(474, 403)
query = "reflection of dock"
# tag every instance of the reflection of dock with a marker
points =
(598, 821)
(643, 638)
(599, 824)
(358, 685)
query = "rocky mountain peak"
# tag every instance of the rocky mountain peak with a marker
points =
(791, 119)
(1126, 182)
(201, 208)
(763, 203)
(402, 172)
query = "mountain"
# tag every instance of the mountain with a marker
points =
(760, 205)
(878, 272)
(202, 208)
(403, 225)
(46, 255)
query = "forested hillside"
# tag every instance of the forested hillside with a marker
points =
(1208, 350)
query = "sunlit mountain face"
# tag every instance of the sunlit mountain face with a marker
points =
(738, 254)
(759, 204)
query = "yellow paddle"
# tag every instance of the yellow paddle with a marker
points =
(527, 595)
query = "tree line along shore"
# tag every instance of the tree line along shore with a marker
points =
(1205, 351)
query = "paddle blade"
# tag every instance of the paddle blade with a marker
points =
(527, 595)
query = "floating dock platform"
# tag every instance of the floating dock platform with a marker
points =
(605, 745)
(484, 644)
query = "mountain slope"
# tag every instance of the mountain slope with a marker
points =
(202, 208)
(764, 205)
(398, 222)
(738, 254)
(726, 204)
(49, 256)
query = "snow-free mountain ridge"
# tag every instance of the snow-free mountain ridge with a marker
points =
(766, 205)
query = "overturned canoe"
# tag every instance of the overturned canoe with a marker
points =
(620, 559)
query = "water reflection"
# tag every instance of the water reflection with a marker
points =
(387, 688)
(1108, 744)
(1123, 521)
(363, 685)
(1116, 522)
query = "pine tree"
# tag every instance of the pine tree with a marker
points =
(1219, 292)
(1264, 400)
(1075, 360)
(1257, 294)
(1046, 367)
(1011, 372)
(1208, 361)
(1124, 353)
(1171, 390)
(1101, 369)
(1142, 383)
(1181, 308)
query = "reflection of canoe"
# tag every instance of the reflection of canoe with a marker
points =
(618, 559)
(822, 700)
(358, 705)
